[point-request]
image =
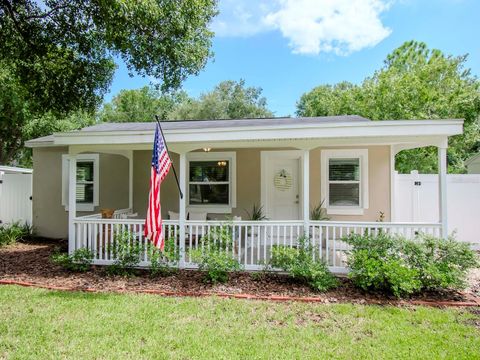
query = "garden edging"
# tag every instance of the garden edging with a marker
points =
(475, 301)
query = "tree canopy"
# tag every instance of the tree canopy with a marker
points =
(415, 83)
(228, 100)
(58, 55)
(140, 105)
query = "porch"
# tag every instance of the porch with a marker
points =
(251, 243)
(286, 166)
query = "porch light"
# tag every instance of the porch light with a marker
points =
(222, 163)
(207, 149)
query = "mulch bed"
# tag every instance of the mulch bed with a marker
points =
(28, 263)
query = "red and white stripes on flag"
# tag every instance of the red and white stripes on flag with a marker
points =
(161, 164)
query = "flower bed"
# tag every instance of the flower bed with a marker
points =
(30, 263)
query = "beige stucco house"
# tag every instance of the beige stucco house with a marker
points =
(225, 167)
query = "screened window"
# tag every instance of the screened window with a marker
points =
(344, 185)
(86, 181)
(211, 181)
(344, 182)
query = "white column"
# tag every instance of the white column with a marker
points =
(442, 189)
(306, 191)
(72, 201)
(182, 205)
(393, 176)
(130, 180)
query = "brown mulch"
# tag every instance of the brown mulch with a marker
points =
(29, 262)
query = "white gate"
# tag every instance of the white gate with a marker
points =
(416, 200)
(15, 198)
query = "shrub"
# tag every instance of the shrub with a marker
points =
(14, 232)
(79, 261)
(126, 251)
(300, 264)
(392, 264)
(441, 263)
(163, 263)
(214, 257)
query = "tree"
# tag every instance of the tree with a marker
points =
(140, 105)
(414, 83)
(60, 53)
(228, 100)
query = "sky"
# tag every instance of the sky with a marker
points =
(287, 47)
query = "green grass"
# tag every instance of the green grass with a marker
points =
(43, 324)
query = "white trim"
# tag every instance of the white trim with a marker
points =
(96, 180)
(72, 197)
(181, 206)
(14, 169)
(285, 154)
(130, 179)
(231, 156)
(306, 190)
(393, 175)
(362, 155)
(442, 190)
(393, 132)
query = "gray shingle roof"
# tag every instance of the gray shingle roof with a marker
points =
(224, 123)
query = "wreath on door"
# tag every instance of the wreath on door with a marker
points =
(282, 180)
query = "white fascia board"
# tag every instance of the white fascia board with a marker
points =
(34, 144)
(387, 129)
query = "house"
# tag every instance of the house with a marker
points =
(15, 195)
(473, 164)
(288, 165)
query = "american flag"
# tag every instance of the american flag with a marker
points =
(160, 166)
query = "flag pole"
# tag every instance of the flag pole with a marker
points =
(168, 152)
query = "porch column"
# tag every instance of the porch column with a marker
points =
(442, 189)
(72, 201)
(182, 205)
(130, 180)
(306, 192)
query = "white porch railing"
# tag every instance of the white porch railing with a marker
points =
(252, 241)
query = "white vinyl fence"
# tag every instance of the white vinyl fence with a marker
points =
(15, 198)
(416, 200)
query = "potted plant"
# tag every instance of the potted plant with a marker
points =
(319, 212)
(257, 214)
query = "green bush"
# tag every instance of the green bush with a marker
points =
(215, 256)
(300, 264)
(395, 265)
(14, 232)
(441, 263)
(126, 251)
(164, 263)
(79, 261)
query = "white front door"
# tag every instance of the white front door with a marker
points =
(281, 185)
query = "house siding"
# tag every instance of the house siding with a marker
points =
(249, 188)
(51, 220)
(49, 216)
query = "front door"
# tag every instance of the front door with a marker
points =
(281, 182)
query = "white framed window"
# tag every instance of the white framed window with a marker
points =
(87, 184)
(211, 181)
(344, 181)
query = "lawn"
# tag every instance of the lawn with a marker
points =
(43, 324)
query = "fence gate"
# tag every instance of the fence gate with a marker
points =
(15, 198)
(416, 200)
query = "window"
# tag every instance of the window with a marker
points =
(211, 181)
(345, 181)
(87, 181)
